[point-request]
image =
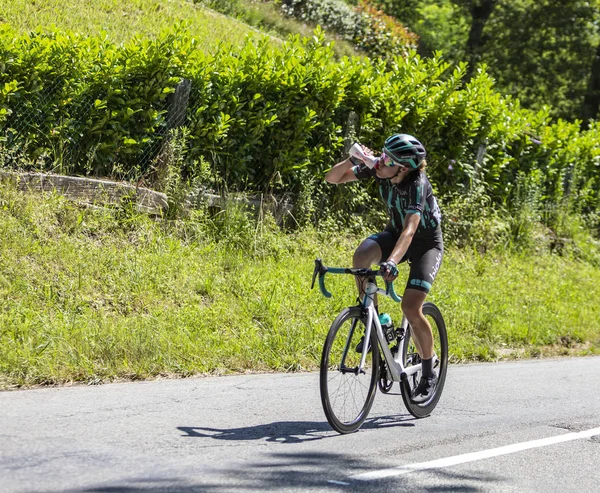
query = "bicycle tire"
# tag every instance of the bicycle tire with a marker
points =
(346, 413)
(410, 357)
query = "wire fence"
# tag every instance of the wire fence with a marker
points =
(69, 129)
(58, 130)
(50, 133)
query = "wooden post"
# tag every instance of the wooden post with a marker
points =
(177, 104)
(351, 131)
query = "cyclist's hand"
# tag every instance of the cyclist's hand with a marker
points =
(389, 270)
(367, 151)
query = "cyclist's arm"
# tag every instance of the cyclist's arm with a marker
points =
(411, 223)
(341, 173)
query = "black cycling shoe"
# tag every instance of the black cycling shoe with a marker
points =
(359, 346)
(425, 390)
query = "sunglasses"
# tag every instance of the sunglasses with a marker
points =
(387, 160)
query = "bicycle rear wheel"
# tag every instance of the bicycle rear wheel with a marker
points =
(347, 394)
(411, 357)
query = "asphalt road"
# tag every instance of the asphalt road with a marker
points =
(531, 426)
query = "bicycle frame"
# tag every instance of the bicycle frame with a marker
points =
(395, 366)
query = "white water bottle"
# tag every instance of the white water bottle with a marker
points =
(357, 152)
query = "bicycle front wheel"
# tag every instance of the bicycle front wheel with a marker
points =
(347, 391)
(411, 357)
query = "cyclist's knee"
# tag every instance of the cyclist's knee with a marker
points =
(367, 254)
(412, 304)
(411, 312)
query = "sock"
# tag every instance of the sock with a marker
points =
(427, 367)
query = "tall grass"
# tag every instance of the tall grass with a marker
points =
(94, 295)
(121, 20)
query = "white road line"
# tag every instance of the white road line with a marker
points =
(474, 456)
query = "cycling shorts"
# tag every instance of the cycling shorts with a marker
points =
(424, 256)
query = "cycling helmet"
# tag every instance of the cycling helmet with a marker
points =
(405, 150)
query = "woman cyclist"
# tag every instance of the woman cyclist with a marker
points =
(413, 233)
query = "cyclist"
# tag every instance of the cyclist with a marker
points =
(413, 233)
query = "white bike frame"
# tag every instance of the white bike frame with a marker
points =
(396, 368)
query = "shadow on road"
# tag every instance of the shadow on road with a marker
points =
(289, 431)
(300, 472)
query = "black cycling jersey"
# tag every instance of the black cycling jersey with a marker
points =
(413, 195)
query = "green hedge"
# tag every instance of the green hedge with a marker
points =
(93, 104)
(260, 115)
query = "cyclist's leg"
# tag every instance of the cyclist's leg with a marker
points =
(412, 306)
(371, 251)
(423, 270)
(367, 254)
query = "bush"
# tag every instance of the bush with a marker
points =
(84, 105)
(265, 115)
(260, 115)
(366, 27)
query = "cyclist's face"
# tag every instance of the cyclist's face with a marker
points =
(386, 172)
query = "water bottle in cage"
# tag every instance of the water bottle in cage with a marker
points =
(388, 327)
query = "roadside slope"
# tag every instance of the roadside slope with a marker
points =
(95, 295)
(120, 20)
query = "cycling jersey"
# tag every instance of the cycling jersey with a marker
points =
(413, 195)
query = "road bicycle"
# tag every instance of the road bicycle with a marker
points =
(350, 376)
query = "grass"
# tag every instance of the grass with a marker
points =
(121, 20)
(91, 295)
